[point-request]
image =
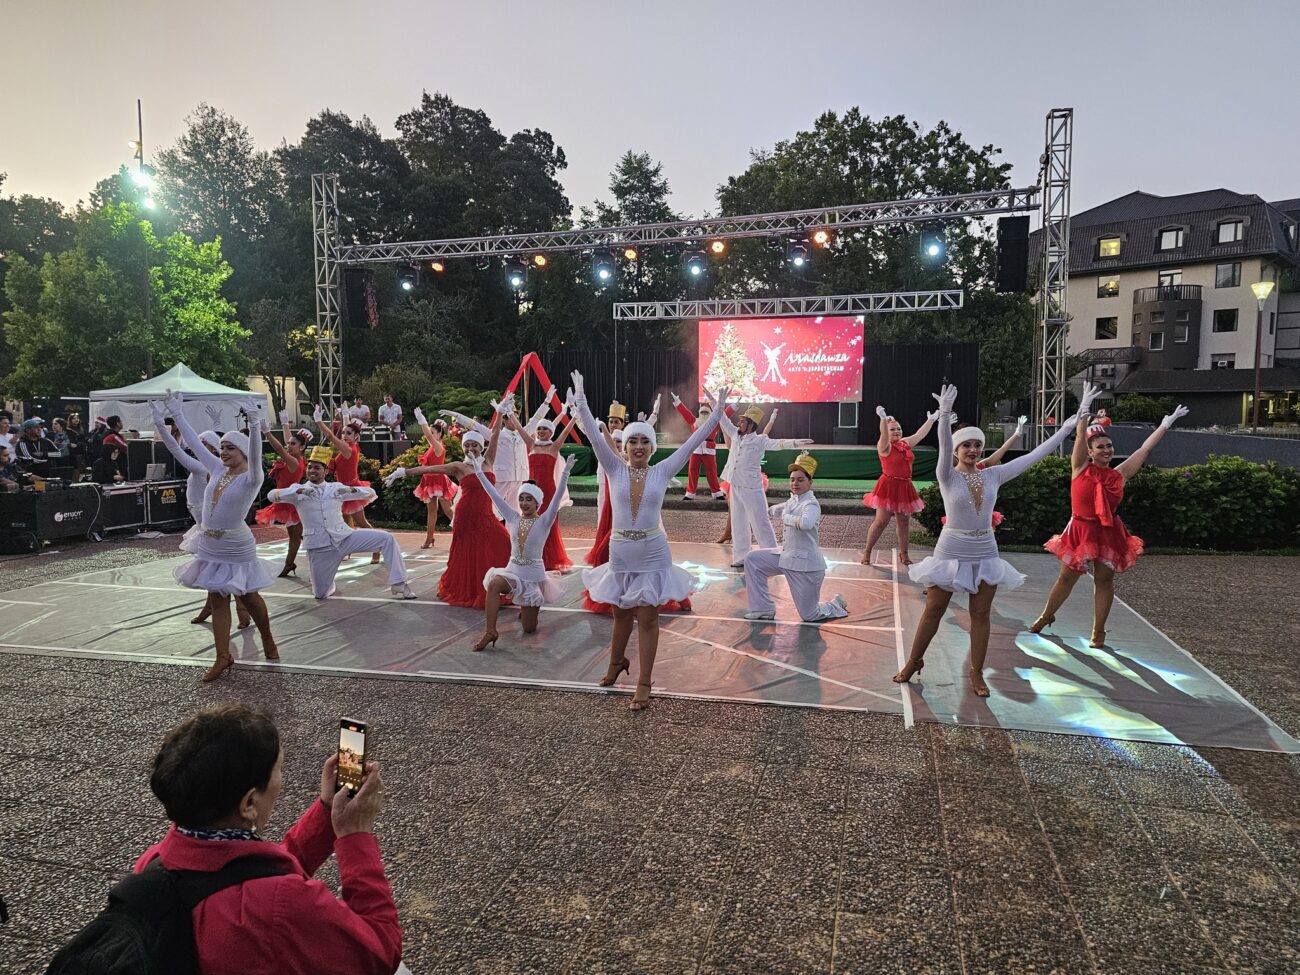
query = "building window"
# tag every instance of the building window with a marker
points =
(1171, 239)
(1223, 361)
(1183, 316)
(1157, 318)
(1227, 275)
(1230, 232)
(1108, 247)
(1225, 319)
(1137, 318)
(1157, 342)
(1180, 334)
(1171, 278)
(1272, 320)
(1107, 328)
(1108, 286)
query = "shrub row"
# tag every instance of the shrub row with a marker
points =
(1226, 503)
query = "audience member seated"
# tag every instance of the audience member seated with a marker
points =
(35, 452)
(7, 428)
(218, 775)
(108, 468)
(11, 477)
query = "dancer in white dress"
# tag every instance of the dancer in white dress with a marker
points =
(226, 563)
(966, 556)
(524, 578)
(639, 576)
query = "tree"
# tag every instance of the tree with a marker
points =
(282, 345)
(408, 385)
(30, 228)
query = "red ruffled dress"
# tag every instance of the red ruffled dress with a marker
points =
(541, 469)
(344, 469)
(282, 513)
(894, 491)
(434, 486)
(599, 555)
(1095, 533)
(478, 542)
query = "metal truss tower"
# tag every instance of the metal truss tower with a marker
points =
(868, 304)
(329, 340)
(1053, 320)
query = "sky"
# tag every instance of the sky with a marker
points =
(1169, 97)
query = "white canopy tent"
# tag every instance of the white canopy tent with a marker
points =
(131, 403)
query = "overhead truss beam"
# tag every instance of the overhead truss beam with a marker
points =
(825, 305)
(966, 206)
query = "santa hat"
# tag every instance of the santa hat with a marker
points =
(967, 433)
(304, 436)
(472, 436)
(237, 440)
(547, 424)
(533, 491)
(641, 428)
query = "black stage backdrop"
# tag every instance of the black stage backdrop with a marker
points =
(898, 377)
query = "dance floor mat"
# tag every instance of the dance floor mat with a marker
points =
(1141, 687)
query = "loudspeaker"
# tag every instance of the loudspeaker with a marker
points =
(1013, 253)
(356, 281)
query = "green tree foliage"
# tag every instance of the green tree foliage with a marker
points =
(30, 228)
(409, 386)
(281, 344)
(1136, 408)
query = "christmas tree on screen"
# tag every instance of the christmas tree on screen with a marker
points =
(731, 367)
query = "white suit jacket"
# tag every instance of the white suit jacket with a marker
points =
(321, 508)
(745, 460)
(800, 549)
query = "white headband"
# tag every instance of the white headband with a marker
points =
(237, 440)
(619, 435)
(643, 429)
(546, 423)
(967, 433)
(472, 436)
(533, 491)
(211, 439)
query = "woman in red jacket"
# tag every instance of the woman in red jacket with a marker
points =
(218, 775)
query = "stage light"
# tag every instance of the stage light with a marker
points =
(717, 247)
(540, 260)
(516, 273)
(934, 246)
(822, 238)
(407, 278)
(149, 203)
(798, 254)
(696, 264)
(141, 178)
(437, 267)
(603, 267)
(630, 254)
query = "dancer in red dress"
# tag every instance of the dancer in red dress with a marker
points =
(543, 455)
(1095, 535)
(347, 459)
(599, 553)
(894, 497)
(288, 469)
(478, 541)
(705, 456)
(434, 490)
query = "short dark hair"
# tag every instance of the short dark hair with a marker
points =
(206, 764)
(112, 421)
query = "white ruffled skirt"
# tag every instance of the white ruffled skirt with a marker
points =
(228, 565)
(530, 585)
(638, 573)
(965, 575)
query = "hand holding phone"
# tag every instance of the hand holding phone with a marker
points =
(351, 754)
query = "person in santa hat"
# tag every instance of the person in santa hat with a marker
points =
(705, 456)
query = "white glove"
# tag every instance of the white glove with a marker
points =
(174, 401)
(1021, 423)
(1179, 412)
(251, 407)
(931, 417)
(568, 398)
(946, 396)
(285, 418)
(476, 462)
(654, 411)
(158, 410)
(419, 417)
(640, 417)
(880, 412)
(578, 389)
(318, 414)
(307, 490)
(952, 420)
(1089, 394)
(569, 461)
(564, 411)
(549, 394)
(677, 400)
(394, 477)
(802, 443)
(214, 415)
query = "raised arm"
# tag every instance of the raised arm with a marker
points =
(922, 431)
(995, 458)
(191, 464)
(606, 455)
(882, 442)
(547, 518)
(493, 440)
(539, 414)
(254, 415)
(290, 461)
(1014, 468)
(726, 426)
(944, 471)
(771, 422)
(175, 404)
(327, 430)
(520, 429)
(1079, 455)
(674, 461)
(683, 411)
(424, 426)
(467, 423)
(1136, 459)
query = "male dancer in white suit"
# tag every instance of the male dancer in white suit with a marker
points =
(799, 558)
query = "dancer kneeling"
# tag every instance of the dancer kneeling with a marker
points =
(327, 537)
(524, 578)
(966, 557)
(639, 576)
(799, 558)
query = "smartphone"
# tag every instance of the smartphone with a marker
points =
(352, 754)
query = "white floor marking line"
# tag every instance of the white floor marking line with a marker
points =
(21, 602)
(821, 678)
(438, 604)
(903, 690)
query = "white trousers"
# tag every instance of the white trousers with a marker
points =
(751, 526)
(325, 562)
(805, 587)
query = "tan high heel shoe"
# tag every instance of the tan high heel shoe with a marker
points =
(639, 703)
(910, 669)
(611, 677)
(488, 639)
(977, 685)
(1042, 623)
(1098, 638)
(223, 663)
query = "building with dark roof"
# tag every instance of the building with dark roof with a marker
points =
(1161, 285)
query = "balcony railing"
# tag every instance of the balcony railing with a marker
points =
(1167, 292)
(1127, 354)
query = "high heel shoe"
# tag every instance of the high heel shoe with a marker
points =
(611, 677)
(375, 557)
(489, 638)
(272, 652)
(223, 663)
(202, 617)
(245, 622)
(910, 670)
(428, 543)
(1098, 638)
(639, 703)
(977, 685)
(1042, 623)
(290, 569)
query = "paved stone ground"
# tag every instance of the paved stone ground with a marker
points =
(528, 831)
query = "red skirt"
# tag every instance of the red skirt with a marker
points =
(478, 542)
(1087, 540)
(672, 606)
(278, 514)
(352, 507)
(541, 468)
(894, 494)
(433, 486)
(599, 553)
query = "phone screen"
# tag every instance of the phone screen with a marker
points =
(352, 753)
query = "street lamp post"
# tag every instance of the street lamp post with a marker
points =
(1262, 290)
(143, 181)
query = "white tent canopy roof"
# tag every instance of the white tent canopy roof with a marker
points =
(208, 405)
(179, 378)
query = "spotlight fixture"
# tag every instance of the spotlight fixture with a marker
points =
(407, 277)
(717, 247)
(822, 238)
(516, 273)
(437, 267)
(934, 245)
(540, 260)
(630, 254)
(798, 254)
(696, 264)
(603, 267)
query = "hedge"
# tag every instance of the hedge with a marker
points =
(397, 503)
(1227, 503)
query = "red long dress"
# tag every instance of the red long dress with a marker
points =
(478, 542)
(894, 491)
(282, 513)
(541, 469)
(433, 486)
(1095, 533)
(344, 469)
